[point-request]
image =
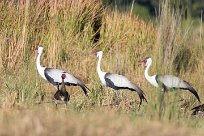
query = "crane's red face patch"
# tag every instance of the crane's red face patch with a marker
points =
(63, 76)
(144, 61)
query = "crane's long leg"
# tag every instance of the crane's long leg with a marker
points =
(161, 101)
(117, 94)
(161, 104)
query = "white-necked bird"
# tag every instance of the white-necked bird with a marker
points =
(116, 81)
(167, 81)
(54, 75)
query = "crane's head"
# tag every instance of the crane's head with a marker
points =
(63, 76)
(40, 49)
(99, 53)
(147, 61)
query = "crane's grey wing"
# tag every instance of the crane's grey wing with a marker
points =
(54, 76)
(171, 81)
(117, 82)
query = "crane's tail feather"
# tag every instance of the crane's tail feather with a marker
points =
(140, 93)
(87, 88)
(142, 97)
(84, 89)
(193, 91)
(196, 94)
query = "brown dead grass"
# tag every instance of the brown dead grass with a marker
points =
(46, 120)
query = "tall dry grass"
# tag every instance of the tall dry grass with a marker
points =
(65, 29)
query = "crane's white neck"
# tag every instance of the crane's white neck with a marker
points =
(39, 67)
(151, 79)
(101, 74)
(99, 64)
(147, 69)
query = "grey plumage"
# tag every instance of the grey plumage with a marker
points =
(170, 81)
(117, 82)
(54, 77)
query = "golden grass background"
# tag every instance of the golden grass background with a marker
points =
(64, 29)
